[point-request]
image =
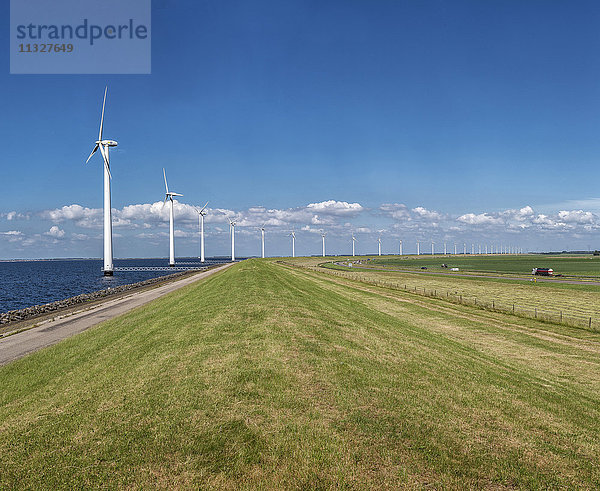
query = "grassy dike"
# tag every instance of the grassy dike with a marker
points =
(269, 376)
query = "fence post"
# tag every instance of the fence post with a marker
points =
(561, 315)
(536, 312)
(493, 305)
(590, 324)
(513, 308)
(475, 300)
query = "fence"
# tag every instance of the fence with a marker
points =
(545, 314)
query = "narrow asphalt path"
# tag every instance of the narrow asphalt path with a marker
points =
(51, 332)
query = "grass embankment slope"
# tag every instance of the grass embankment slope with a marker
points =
(264, 376)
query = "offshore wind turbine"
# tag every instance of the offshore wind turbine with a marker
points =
(104, 145)
(293, 236)
(323, 234)
(232, 233)
(169, 196)
(262, 236)
(201, 215)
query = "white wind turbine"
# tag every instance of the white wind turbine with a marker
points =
(353, 241)
(455, 248)
(418, 248)
(465, 248)
(232, 233)
(293, 236)
(323, 234)
(400, 247)
(201, 214)
(432, 243)
(104, 145)
(379, 245)
(169, 196)
(262, 237)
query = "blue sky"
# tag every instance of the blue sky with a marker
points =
(461, 121)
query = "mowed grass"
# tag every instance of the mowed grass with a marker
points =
(267, 376)
(571, 265)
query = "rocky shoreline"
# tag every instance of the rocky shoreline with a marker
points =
(37, 310)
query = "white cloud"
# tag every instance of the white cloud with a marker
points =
(481, 219)
(55, 232)
(338, 208)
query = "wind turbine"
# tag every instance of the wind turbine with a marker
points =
(262, 236)
(465, 248)
(400, 246)
(418, 248)
(293, 236)
(444, 248)
(455, 248)
(432, 247)
(353, 241)
(169, 196)
(323, 234)
(201, 215)
(379, 244)
(232, 233)
(104, 145)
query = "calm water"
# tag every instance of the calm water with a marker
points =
(27, 283)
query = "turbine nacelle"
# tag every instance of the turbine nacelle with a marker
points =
(107, 143)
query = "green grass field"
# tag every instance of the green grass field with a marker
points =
(267, 376)
(577, 265)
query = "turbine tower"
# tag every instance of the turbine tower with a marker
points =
(323, 234)
(418, 249)
(455, 248)
(169, 196)
(232, 233)
(432, 248)
(465, 248)
(353, 241)
(400, 246)
(201, 215)
(104, 145)
(379, 244)
(444, 248)
(293, 236)
(262, 234)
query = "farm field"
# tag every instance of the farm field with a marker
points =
(270, 376)
(578, 305)
(569, 265)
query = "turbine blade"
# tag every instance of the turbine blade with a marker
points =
(93, 152)
(175, 194)
(165, 176)
(204, 207)
(102, 118)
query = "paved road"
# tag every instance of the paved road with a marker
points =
(442, 273)
(52, 331)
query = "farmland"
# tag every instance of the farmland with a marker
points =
(570, 265)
